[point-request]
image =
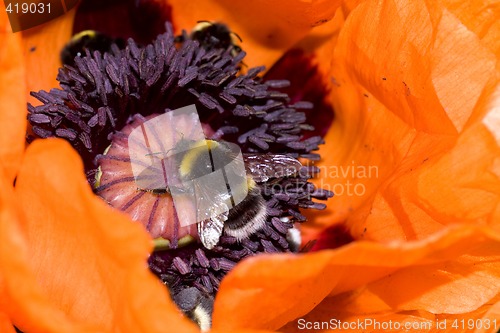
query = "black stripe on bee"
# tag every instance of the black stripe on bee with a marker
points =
(248, 216)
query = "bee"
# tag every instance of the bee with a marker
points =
(171, 211)
(249, 215)
(196, 305)
(214, 35)
(90, 40)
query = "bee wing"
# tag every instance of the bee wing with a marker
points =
(263, 167)
(210, 230)
(207, 204)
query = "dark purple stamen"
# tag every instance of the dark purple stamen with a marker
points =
(103, 93)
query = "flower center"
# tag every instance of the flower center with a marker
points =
(104, 97)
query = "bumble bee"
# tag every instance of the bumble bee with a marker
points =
(214, 35)
(208, 183)
(196, 305)
(87, 40)
(249, 215)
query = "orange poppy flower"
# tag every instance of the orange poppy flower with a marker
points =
(415, 89)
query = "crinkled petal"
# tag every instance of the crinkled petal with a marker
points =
(361, 310)
(435, 188)
(89, 260)
(480, 17)
(435, 69)
(12, 98)
(345, 313)
(279, 289)
(415, 91)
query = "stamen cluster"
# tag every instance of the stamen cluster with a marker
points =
(103, 92)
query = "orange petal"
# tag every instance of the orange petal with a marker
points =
(42, 46)
(5, 324)
(89, 259)
(267, 28)
(279, 289)
(360, 310)
(432, 188)
(12, 98)
(21, 298)
(484, 319)
(481, 17)
(427, 56)
(240, 331)
(354, 312)
(490, 316)
(410, 95)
